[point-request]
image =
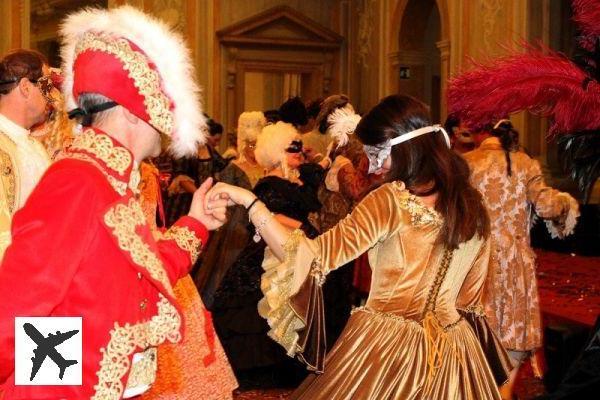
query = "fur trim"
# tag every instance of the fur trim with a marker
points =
(342, 123)
(272, 142)
(163, 47)
(250, 124)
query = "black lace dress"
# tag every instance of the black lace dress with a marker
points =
(256, 359)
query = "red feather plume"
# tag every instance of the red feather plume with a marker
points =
(546, 84)
(586, 14)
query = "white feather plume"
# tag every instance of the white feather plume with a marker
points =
(166, 50)
(342, 123)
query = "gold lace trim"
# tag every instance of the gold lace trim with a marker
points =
(119, 186)
(476, 309)
(420, 214)
(7, 170)
(123, 219)
(143, 372)
(100, 145)
(147, 80)
(290, 248)
(124, 340)
(185, 239)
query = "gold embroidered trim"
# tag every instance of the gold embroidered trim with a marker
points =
(119, 186)
(420, 214)
(8, 172)
(124, 340)
(145, 78)
(476, 309)
(143, 372)
(290, 249)
(123, 219)
(101, 146)
(185, 239)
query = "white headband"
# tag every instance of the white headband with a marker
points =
(378, 154)
(500, 123)
(418, 132)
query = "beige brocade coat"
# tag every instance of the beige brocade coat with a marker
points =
(511, 295)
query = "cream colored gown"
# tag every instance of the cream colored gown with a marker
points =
(421, 333)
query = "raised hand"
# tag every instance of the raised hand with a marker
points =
(229, 193)
(214, 216)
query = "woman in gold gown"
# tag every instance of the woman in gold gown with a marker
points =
(422, 333)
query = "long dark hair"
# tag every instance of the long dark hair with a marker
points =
(424, 160)
(509, 139)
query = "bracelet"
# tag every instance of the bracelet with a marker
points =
(252, 204)
(258, 227)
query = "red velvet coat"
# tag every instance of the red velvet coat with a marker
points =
(81, 247)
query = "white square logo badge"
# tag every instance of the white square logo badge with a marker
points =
(48, 351)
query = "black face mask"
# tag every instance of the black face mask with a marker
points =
(295, 147)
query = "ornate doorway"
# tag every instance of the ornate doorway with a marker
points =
(275, 55)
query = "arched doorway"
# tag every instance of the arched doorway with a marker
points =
(419, 62)
(419, 59)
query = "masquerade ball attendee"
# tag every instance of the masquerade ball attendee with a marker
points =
(290, 189)
(82, 237)
(226, 244)
(514, 190)
(427, 233)
(250, 124)
(189, 172)
(25, 101)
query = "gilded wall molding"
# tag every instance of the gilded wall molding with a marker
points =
(366, 26)
(491, 9)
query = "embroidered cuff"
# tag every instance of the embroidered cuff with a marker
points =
(189, 234)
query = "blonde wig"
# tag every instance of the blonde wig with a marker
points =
(271, 144)
(250, 124)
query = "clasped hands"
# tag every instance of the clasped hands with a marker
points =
(210, 202)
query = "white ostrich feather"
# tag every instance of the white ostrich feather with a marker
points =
(342, 123)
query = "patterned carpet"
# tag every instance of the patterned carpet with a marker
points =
(569, 289)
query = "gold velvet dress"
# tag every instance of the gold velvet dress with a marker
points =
(421, 334)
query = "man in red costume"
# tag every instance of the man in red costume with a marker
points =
(81, 246)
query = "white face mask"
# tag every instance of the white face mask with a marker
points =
(378, 154)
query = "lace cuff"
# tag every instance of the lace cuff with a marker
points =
(295, 316)
(565, 224)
